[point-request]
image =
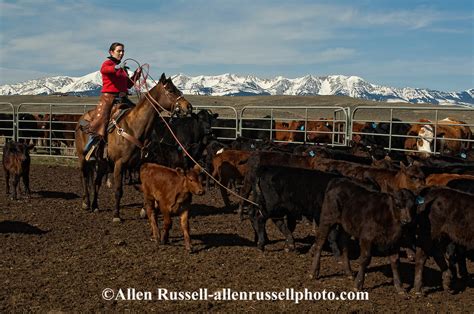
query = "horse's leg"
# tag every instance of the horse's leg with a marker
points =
(101, 171)
(85, 178)
(118, 178)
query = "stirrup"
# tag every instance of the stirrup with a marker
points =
(91, 151)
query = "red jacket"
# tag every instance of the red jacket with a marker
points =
(114, 81)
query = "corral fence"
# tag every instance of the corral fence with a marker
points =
(260, 120)
(395, 116)
(7, 121)
(51, 126)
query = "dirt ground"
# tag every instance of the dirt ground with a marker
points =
(56, 257)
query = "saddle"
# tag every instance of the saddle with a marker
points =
(117, 113)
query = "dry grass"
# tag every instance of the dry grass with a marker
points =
(377, 110)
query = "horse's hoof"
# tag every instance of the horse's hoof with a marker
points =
(313, 276)
(117, 219)
(84, 206)
(142, 213)
(96, 210)
(290, 248)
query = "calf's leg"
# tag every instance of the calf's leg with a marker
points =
(184, 219)
(167, 223)
(364, 261)
(151, 213)
(26, 183)
(290, 242)
(16, 181)
(318, 246)
(343, 241)
(395, 264)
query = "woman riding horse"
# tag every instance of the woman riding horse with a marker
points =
(125, 143)
(115, 85)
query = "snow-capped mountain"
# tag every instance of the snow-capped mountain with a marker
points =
(234, 85)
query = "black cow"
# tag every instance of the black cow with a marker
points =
(193, 132)
(344, 153)
(289, 192)
(464, 185)
(372, 217)
(257, 128)
(444, 215)
(16, 162)
(28, 128)
(379, 132)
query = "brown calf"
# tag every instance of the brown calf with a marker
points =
(442, 179)
(284, 131)
(169, 189)
(408, 177)
(228, 166)
(16, 162)
(448, 133)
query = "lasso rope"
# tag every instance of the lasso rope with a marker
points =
(143, 83)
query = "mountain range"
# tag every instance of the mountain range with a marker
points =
(235, 85)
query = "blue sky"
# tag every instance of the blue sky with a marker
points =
(424, 44)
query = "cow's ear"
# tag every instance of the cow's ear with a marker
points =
(180, 170)
(197, 168)
(163, 78)
(31, 146)
(215, 115)
(410, 160)
(402, 166)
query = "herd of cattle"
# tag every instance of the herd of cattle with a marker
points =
(386, 199)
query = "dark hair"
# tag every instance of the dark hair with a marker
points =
(115, 45)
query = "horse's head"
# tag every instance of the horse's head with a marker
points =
(173, 98)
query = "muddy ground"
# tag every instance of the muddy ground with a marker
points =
(56, 257)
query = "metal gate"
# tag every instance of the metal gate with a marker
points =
(50, 126)
(225, 126)
(316, 124)
(393, 116)
(7, 121)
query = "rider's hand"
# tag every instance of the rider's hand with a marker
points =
(121, 65)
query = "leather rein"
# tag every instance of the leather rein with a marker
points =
(133, 139)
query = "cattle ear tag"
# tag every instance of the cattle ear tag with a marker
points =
(302, 128)
(220, 151)
(374, 125)
(311, 153)
(420, 200)
(252, 146)
(463, 155)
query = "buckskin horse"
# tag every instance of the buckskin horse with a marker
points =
(137, 126)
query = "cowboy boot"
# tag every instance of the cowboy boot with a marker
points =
(98, 124)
